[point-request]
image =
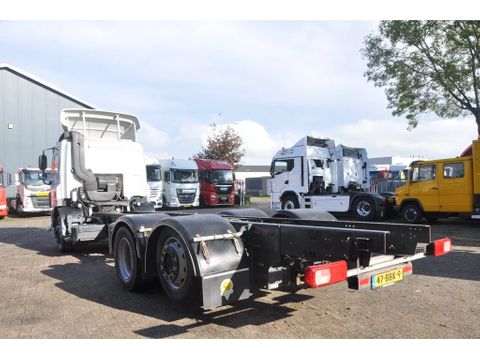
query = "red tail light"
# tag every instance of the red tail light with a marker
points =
(439, 247)
(326, 274)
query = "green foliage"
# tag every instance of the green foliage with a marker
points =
(223, 145)
(426, 66)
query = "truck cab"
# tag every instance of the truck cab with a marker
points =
(441, 188)
(3, 194)
(180, 183)
(33, 191)
(316, 174)
(155, 184)
(216, 182)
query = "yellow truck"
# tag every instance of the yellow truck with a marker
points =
(441, 188)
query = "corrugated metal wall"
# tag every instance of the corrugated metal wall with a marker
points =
(33, 110)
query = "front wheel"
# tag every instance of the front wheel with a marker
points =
(411, 214)
(174, 266)
(62, 245)
(290, 202)
(364, 209)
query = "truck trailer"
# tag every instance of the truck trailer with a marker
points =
(441, 188)
(211, 259)
(216, 182)
(316, 174)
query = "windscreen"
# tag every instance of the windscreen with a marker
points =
(36, 178)
(221, 176)
(184, 176)
(153, 173)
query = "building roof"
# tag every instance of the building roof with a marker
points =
(44, 84)
(253, 168)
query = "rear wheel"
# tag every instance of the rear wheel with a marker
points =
(411, 213)
(364, 209)
(290, 202)
(127, 264)
(174, 266)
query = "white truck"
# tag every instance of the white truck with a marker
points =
(155, 184)
(213, 259)
(32, 191)
(316, 174)
(181, 187)
(98, 173)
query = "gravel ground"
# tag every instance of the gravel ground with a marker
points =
(45, 294)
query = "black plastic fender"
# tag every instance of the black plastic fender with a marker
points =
(68, 213)
(246, 212)
(134, 222)
(304, 214)
(223, 254)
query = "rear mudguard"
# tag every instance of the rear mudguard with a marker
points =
(220, 262)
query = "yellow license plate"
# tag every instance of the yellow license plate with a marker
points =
(387, 278)
(43, 193)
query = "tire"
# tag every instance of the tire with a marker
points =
(19, 210)
(2, 217)
(174, 266)
(411, 213)
(62, 245)
(127, 265)
(290, 202)
(364, 209)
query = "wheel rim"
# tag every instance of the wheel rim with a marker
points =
(411, 214)
(173, 263)
(125, 259)
(364, 208)
(289, 204)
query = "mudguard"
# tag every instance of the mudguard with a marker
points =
(247, 212)
(217, 253)
(304, 214)
(134, 223)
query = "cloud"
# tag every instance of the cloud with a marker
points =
(432, 139)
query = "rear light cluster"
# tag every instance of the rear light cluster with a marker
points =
(326, 274)
(439, 247)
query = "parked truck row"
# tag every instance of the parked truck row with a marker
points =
(174, 183)
(98, 194)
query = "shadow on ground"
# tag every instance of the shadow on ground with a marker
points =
(88, 273)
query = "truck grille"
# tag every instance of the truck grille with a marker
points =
(223, 189)
(154, 193)
(41, 202)
(186, 198)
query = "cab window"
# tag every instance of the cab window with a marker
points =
(423, 173)
(282, 165)
(453, 171)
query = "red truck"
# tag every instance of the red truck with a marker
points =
(216, 182)
(3, 194)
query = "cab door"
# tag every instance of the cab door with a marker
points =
(287, 175)
(424, 187)
(455, 187)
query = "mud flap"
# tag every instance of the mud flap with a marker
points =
(225, 288)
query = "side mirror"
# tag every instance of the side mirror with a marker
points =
(42, 162)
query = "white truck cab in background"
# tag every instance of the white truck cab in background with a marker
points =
(155, 184)
(181, 187)
(316, 174)
(33, 190)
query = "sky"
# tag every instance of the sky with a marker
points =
(272, 81)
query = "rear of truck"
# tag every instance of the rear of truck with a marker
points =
(219, 260)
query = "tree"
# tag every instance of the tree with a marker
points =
(427, 66)
(223, 145)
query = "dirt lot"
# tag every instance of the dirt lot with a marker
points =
(45, 294)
